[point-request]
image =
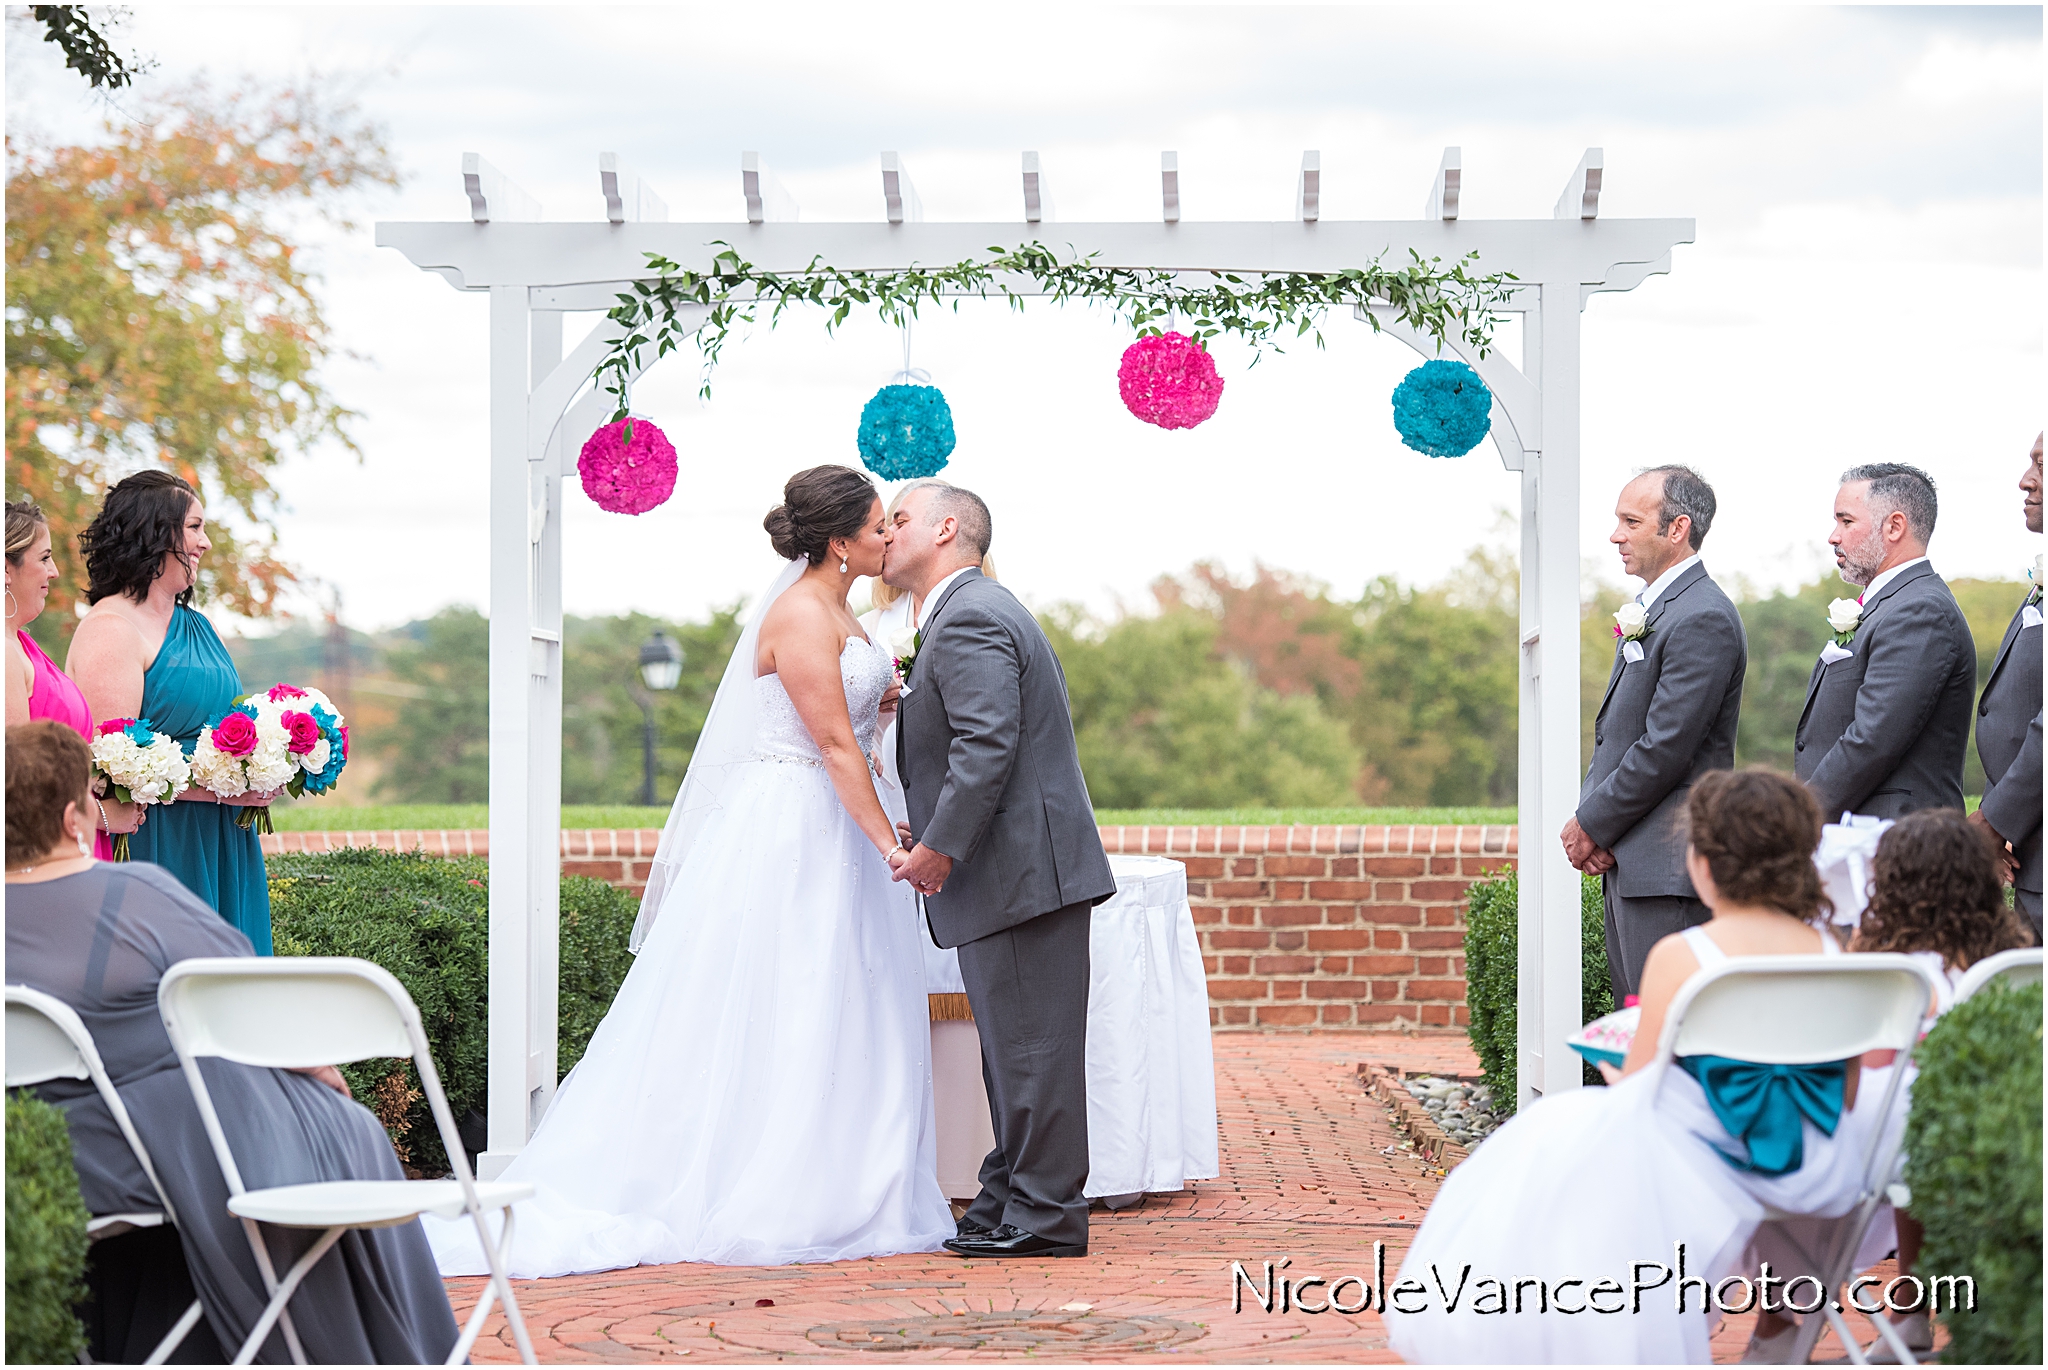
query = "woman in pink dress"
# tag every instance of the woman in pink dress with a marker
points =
(36, 688)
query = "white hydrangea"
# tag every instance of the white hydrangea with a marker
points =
(151, 775)
(216, 770)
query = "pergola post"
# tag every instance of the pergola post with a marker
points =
(1548, 989)
(513, 742)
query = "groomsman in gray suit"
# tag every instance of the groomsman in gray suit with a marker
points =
(1668, 717)
(1009, 862)
(1888, 709)
(2009, 731)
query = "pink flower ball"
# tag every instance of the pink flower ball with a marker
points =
(303, 730)
(1169, 380)
(627, 479)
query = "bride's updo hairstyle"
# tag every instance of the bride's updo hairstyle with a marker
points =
(818, 505)
(1757, 830)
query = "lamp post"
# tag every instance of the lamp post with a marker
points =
(661, 666)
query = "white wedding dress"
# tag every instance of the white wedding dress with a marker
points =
(760, 1090)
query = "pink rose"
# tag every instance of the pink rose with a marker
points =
(281, 691)
(304, 731)
(112, 725)
(236, 734)
(344, 742)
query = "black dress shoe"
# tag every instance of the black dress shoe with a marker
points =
(971, 1228)
(1012, 1241)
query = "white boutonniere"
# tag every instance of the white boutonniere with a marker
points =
(1632, 625)
(2034, 578)
(903, 646)
(1632, 622)
(1843, 616)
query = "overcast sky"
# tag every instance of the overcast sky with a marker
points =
(1866, 283)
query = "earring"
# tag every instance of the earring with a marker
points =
(84, 847)
(842, 566)
(11, 609)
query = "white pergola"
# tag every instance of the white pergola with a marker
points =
(543, 407)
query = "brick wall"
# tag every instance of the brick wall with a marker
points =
(1300, 926)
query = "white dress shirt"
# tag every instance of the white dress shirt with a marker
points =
(938, 591)
(1662, 583)
(1884, 578)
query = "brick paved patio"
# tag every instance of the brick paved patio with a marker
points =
(1311, 1170)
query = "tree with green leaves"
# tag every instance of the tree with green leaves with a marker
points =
(160, 311)
(438, 749)
(84, 43)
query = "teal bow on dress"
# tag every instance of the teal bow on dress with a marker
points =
(1765, 1105)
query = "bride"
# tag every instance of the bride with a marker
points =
(760, 1090)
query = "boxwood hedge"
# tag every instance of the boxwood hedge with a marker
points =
(1973, 1163)
(1491, 969)
(45, 1237)
(426, 920)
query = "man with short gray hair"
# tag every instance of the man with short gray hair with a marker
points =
(1668, 717)
(1888, 709)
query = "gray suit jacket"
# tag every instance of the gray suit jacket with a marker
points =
(985, 746)
(2009, 745)
(1665, 721)
(1883, 732)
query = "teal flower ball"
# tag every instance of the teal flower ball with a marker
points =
(1442, 409)
(906, 432)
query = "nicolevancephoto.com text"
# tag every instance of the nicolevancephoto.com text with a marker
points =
(1271, 1291)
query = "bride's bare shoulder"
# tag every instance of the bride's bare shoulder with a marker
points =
(800, 628)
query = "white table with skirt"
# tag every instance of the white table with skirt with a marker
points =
(1151, 1073)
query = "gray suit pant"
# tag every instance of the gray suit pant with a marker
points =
(2029, 905)
(1028, 986)
(1636, 925)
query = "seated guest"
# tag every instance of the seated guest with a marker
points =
(1580, 1185)
(100, 936)
(1935, 894)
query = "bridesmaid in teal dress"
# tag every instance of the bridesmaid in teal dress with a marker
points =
(142, 651)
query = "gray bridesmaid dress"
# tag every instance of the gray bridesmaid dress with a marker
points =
(101, 941)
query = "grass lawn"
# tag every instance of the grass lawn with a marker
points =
(289, 817)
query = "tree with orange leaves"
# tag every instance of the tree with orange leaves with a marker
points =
(159, 313)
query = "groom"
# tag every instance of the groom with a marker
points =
(1006, 853)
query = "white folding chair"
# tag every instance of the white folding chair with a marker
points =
(46, 1040)
(286, 1012)
(1808, 1010)
(2020, 966)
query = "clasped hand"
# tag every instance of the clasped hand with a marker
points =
(1582, 851)
(925, 869)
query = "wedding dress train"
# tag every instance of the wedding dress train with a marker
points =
(760, 1090)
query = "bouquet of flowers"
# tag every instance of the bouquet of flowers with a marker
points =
(283, 738)
(1608, 1039)
(137, 765)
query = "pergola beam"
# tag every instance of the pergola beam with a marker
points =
(1443, 193)
(569, 254)
(1037, 194)
(767, 201)
(627, 198)
(1308, 188)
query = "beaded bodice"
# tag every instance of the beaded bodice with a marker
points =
(865, 673)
